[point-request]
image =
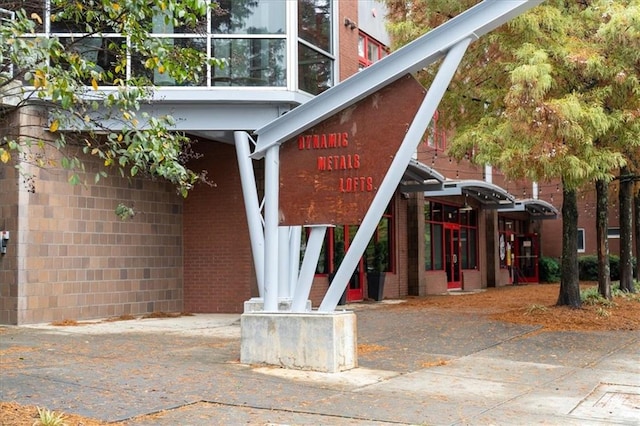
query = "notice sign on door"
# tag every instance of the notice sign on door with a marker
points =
(330, 173)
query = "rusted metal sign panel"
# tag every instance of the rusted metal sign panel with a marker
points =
(330, 174)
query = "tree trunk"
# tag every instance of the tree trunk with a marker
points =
(569, 281)
(637, 235)
(602, 231)
(626, 224)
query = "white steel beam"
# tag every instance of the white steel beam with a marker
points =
(416, 55)
(271, 220)
(251, 205)
(394, 175)
(307, 271)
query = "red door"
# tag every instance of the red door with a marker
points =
(526, 259)
(452, 255)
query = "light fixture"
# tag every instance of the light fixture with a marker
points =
(350, 24)
(466, 207)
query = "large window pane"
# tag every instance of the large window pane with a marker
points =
(464, 248)
(97, 51)
(436, 244)
(163, 79)
(379, 248)
(250, 62)
(163, 22)
(249, 17)
(323, 260)
(473, 248)
(315, 70)
(314, 22)
(428, 239)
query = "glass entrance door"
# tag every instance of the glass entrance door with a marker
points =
(452, 255)
(526, 259)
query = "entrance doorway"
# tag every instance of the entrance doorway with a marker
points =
(342, 236)
(452, 255)
(526, 259)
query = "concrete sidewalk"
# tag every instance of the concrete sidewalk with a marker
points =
(416, 367)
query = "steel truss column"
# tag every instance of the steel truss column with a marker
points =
(271, 220)
(251, 205)
(284, 260)
(394, 175)
(307, 271)
(295, 238)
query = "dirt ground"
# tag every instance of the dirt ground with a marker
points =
(528, 304)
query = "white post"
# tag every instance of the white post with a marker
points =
(488, 173)
(307, 271)
(295, 237)
(394, 175)
(271, 220)
(251, 205)
(283, 262)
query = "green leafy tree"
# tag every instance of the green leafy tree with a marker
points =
(553, 94)
(78, 77)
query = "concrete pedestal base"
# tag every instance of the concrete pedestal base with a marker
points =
(256, 304)
(308, 341)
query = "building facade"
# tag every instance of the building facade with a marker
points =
(450, 226)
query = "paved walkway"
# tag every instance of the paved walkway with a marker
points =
(417, 367)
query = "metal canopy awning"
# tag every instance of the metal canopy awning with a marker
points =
(538, 209)
(419, 177)
(489, 194)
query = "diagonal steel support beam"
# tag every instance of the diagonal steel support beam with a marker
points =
(394, 175)
(251, 205)
(307, 271)
(424, 51)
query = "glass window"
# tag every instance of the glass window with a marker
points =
(436, 215)
(370, 51)
(379, 248)
(323, 260)
(468, 247)
(437, 245)
(30, 7)
(373, 52)
(338, 239)
(613, 232)
(428, 244)
(162, 79)
(581, 240)
(97, 51)
(315, 70)
(314, 23)
(249, 17)
(163, 23)
(250, 62)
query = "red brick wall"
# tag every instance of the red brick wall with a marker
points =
(218, 266)
(347, 39)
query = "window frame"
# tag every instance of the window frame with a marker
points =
(363, 59)
(582, 240)
(466, 222)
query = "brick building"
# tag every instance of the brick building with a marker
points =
(449, 226)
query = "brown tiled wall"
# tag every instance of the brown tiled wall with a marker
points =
(218, 265)
(9, 261)
(79, 261)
